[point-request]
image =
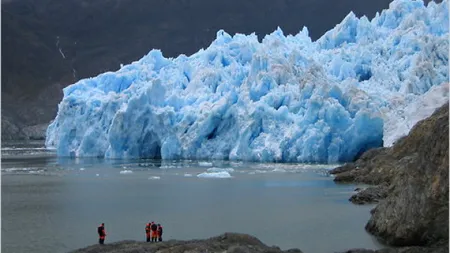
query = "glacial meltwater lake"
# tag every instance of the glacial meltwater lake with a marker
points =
(52, 204)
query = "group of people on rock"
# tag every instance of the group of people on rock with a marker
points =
(153, 232)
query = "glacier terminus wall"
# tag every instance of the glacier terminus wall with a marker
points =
(282, 98)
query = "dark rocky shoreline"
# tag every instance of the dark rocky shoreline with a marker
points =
(409, 183)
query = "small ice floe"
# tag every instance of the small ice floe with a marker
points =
(215, 169)
(188, 175)
(14, 148)
(97, 175)
(323, 173)
(82, 168)
(236, 164)
(166, 167)
(154, 178)
(222, 174)
(257, 172)
(279, 170)
(18, 169)
(126, 172)
(205, 164)
(36, 171)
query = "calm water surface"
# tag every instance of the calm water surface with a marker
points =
(52, 204)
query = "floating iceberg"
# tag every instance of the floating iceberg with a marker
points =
(126, 172)
(284, 99)
(222, 174)
(205, 164)
(214, 169)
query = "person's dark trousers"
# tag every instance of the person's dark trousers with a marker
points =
(148, 239)
(160, 239)
(101, 241)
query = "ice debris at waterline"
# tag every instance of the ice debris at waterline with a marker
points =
(219, 174)
(126, 172)
(286, 98)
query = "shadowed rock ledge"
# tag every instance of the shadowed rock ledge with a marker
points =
(370, 195)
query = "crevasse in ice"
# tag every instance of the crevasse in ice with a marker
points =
(285, 99)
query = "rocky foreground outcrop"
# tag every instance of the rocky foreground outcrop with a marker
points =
(226, 243)
(412, 177)
(415, 249)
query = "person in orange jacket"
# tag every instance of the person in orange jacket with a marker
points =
(154, 229)
(147, 231)
(101, 233)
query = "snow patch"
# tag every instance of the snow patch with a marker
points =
(400, 122)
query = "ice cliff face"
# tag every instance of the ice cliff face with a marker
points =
(286, 98)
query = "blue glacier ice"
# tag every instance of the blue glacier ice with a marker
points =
(287, 98)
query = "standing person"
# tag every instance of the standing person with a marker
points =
(160, 232)
(147, 231)
(101, 233)
(154, 228)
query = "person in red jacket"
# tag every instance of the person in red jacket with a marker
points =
(101, 233)
(160, 232)
(154, 229)
(147, 232)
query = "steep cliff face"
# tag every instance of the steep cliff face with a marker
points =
(416, 209)
(415, 170)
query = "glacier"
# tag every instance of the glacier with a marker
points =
(284, 98)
